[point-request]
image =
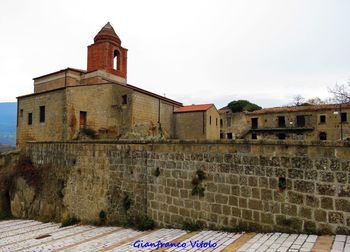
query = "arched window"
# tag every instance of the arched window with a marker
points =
(116, 60)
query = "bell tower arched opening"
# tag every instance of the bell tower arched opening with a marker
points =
(116, 60)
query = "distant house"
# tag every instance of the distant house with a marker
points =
(329, 122)
(197, 122)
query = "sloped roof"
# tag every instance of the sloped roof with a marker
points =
(60, 71)
(298, 109)
(224, 110)
(107, 33)
(194, 108)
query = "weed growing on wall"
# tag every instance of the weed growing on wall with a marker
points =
(126, 202)
(25, 169)
(197, 186)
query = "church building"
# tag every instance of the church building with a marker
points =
(99, 102)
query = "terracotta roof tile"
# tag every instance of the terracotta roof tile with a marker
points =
(194, 108)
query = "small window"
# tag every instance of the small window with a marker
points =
(344, 117)
(216, 122)
(254, 123)
(300, 121)
(210, 120)
(222, 136)
(42, 113)
(30, 118)
(322, 119)
(254, 136)
(21, 113)
(281, 136)
(281, 122)
(124, 99)
(221, 123)
(323, 136)
(229, 135)
(228, 121)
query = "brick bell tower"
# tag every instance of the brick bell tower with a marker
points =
(107, 53)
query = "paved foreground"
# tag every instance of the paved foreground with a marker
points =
(29, 235)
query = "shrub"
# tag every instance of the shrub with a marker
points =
(192, 226)
(70, 222)
(140, 222)
(102, 215)
(143, 222)
(89, 132)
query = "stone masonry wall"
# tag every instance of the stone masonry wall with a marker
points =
(241, 184)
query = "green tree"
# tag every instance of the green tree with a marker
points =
(242, 105)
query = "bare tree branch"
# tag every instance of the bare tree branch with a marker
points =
(341, 93)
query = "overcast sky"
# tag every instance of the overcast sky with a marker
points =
(193, 51)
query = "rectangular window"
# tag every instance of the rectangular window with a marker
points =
(322, 119)
(42, 113)
(216, 122)
(254, 136)
(228, 121)
(30, 118)
(344, 117)
(124, 99)
(300, 121)
(281, 122)
(229, 135)
(222, 136)
(209, 120)
(254, 123)
(221, 123)
(281, 136)
(323, 136)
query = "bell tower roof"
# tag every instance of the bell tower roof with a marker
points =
(106, 53)
(107, 33)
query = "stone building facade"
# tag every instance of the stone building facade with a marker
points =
(197, 122)
(99, 99)
(328, 122)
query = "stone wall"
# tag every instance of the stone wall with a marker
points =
(7, 162)
(54, 126)
(243, 182)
